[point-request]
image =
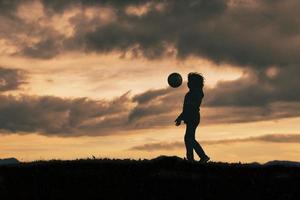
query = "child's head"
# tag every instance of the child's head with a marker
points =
(195, 80)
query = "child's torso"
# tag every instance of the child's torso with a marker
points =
(192, 102)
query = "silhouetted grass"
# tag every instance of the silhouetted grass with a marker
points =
(161, 178)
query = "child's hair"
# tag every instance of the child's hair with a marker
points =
(195, 80)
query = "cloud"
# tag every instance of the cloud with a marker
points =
(50, 115)
(247, 33)
(62, 116)
(262, 37)
(11, 79)
(255, 35)
(45, 48)
(239, 101)
(152, 103)
(7, 7)
(150, 95)
(156, 108)
(256, 89)
(272, 138)
(158, 146)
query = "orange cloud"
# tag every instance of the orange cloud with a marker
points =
(272, 138)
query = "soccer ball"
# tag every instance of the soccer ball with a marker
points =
(175, 80)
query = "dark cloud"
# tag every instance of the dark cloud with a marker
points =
(8, 6)
(51, 115)
(153, 33)
(271, 138)
(259, 34)
(59, 6)
(11, 79)
(150, 95)
(249, 33)
(61, 116)
(227, 115)
(151, 103)
(43, 49)
(256, 89)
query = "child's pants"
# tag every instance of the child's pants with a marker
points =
(190, 141)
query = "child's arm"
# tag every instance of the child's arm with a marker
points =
(181, 115)
(179, 119)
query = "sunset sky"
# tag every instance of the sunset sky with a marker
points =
(89, 77)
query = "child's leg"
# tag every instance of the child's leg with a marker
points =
(191, 130)
(199, 150)
(189, 141)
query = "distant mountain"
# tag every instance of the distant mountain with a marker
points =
(283, 163)
(8, 161)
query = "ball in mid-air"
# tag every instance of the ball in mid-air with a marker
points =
(175, 80)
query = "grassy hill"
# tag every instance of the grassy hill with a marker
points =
(160, 178)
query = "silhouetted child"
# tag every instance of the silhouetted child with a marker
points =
(191, 116)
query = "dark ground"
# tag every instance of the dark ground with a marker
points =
(161, 178)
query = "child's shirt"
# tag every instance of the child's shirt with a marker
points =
(191, 105)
